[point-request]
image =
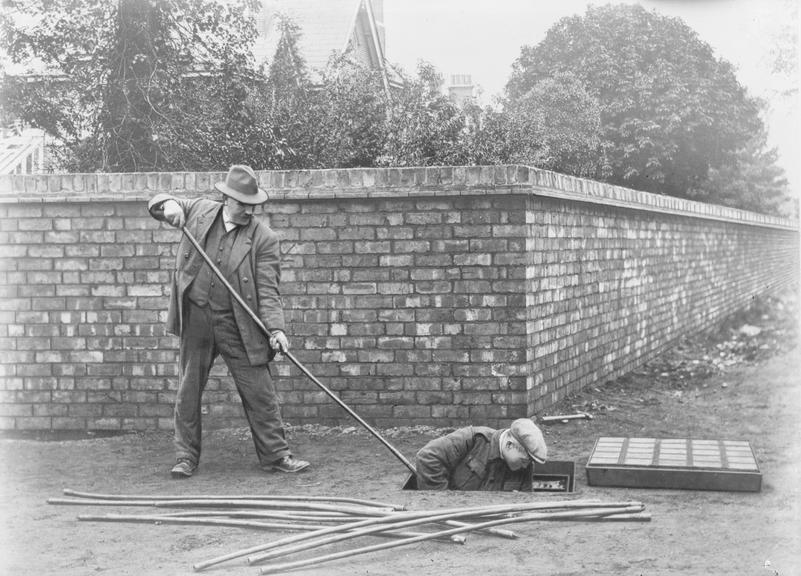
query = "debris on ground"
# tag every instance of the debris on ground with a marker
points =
(322, 431)
(398, 431)
(769, 327)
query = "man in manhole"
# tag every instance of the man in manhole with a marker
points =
(482, 458)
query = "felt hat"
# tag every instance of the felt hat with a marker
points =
(241, 184)
(530, 438)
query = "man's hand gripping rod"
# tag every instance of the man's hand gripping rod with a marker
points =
(294, 360)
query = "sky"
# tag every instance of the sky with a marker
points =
(483, 39)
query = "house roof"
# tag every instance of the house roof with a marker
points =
(326, 26)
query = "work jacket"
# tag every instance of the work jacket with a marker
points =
(468, 459)
(255, 260)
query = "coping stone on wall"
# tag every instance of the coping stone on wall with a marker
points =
(371, 183)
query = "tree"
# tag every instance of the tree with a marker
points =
(670, 110)
(423, 126)
(485, 137)
(139, 85)
(750, 181)
(337, 121)
(345, 116)
(286, 99)
(556, 126)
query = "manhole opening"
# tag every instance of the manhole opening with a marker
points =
(553, 476)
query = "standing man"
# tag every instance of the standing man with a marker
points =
(211, 323)
(481, 458)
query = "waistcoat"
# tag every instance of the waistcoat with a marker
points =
(206, 289)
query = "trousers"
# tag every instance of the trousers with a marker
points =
(207, 334)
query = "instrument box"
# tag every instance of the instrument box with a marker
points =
(554, 476)
(674, 463)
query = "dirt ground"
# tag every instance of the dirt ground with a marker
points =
(740, 383)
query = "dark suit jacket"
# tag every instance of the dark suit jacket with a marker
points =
(256, 258)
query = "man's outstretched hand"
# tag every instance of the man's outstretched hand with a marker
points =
(174, 214)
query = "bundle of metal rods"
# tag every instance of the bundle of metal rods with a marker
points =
(323, 520)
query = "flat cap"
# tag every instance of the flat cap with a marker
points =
(530, 437)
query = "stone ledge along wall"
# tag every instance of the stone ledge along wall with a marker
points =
(436, 296)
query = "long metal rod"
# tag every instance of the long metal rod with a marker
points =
(368, 530)
(536, 516)
(341, 499)
(292, 358)
(424, 517)
(283, 526)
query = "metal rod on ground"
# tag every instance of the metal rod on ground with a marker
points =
(348, 553)
(633, 517)
(89, 502)
(139, 500)
(496, 531)
(344, 500)
(297, 505)
(355, 533)
(457, 512)
(342, 535)
(301, 367)
(364, 511)
(435, 516)
(308, 518)
(290, 540)
(271, 515)
(160, 519)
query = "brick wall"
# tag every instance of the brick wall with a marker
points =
(421, 296)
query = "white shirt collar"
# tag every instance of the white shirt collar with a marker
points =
(227, 221)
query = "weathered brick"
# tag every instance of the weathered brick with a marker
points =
(38, 264)
(359, 288)
(373, 247)
(359, 261)
(46, 251)
(33, 423)
(117, 250)
(395, 233)
(375, 356)
(400, 246)
(394, 343)
(422, 412)
(418, 218)
(472, 259)
(61, 423)
(16, 211)
(449, 413)
(396, 260)
(32, 343)
(16, 410)
(49, 410)
(17, 304)
(105, 424)
(119, 410)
